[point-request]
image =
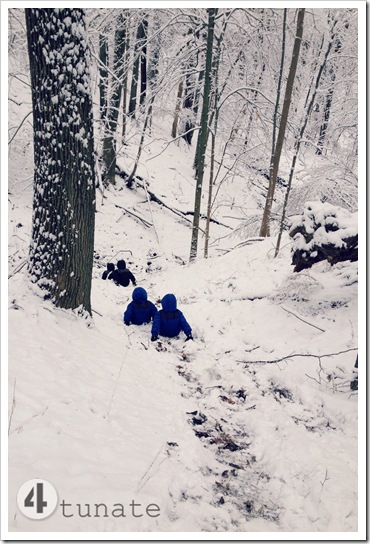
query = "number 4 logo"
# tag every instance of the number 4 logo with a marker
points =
(37, 499)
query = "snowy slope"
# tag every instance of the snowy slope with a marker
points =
(97, 405)
(250, 428)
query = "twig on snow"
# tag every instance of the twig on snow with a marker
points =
(17, 269)
(300, 318)
(29, 420)
(13, 407)
(325, 478)
(16, 132)
(298, 355)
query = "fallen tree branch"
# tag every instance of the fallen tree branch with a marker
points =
(300, 318)
(157, 200)
(144, 221)
(298, 355)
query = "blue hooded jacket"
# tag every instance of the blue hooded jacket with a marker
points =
(122, 276)
(170, 321)
(140, 310)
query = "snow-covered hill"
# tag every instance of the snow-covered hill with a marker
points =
(251, 427)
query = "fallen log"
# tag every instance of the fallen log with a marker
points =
(140, 183)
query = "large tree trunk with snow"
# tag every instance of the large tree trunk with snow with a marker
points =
(61, 252)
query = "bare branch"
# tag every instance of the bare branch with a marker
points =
(298, 355)
(300, 318)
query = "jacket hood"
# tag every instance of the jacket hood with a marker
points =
(169, 303)
(110, 267)
(121, 265)
(139, 295)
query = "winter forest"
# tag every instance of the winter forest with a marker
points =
(183, 269)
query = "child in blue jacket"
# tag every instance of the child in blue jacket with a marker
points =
(170, 321)
(140, 310)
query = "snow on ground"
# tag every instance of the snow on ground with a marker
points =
(218, 439)
(214, 432)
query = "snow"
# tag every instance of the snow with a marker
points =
(107, 416)
(97, 405)
(329, 225)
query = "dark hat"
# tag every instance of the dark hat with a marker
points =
(121, 265)
(139, 295)
(169, 303)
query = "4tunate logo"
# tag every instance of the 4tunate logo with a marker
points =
(37, 499)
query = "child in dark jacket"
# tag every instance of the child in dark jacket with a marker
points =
(140, 310)
(122, 276)
(110, 268)
(170, 321)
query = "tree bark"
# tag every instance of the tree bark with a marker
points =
(61, 252)
(125, 78)
(103, 75)
(265, 226)
(109, 142)
(177, 109)
(143, 63)
(203, 134)
(298, 144)
(140, 35)
(327, 105)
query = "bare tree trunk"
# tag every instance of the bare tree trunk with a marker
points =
(103, 75)
(143, 63)
(125, 78)
(265, 226)
(147, 117)
(278, 97)
(109, 142)
(177, 109)
(61, 252)
(298, 144)
(203, 134)
(210, 191)
(140, 36)
(328, 103)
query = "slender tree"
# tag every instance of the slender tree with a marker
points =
(328, 101)
(177, 109)
(140, 43)
(125, 75)
(143, 62)
(203, 134)
(265, 226)
(61, 252)
(103, 75)
(300, 138)
(109, 143)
